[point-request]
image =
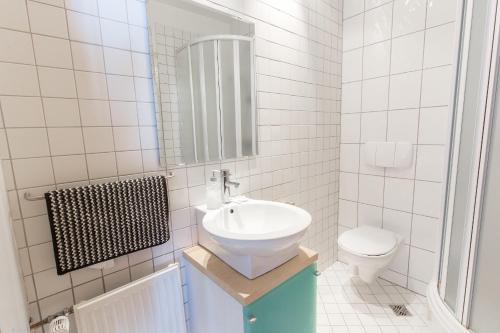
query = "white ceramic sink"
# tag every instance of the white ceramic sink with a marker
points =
(254, 236)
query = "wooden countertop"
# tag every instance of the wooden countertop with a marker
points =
(242, 289)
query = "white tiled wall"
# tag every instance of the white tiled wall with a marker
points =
(77, 107)
(396, 77)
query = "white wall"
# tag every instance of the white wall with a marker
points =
(396, 87)
(77, 107)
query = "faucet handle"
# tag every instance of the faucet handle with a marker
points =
(225, 172)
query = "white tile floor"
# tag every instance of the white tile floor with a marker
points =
(348, 305)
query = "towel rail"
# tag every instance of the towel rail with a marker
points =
(29, 197)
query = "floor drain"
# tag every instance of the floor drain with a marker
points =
(400, 310)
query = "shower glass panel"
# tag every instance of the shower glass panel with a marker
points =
(486, 293)
(216, 99)
(211, 93)
(228, 98)
(185, 124)
(470, 132)
(246, 100)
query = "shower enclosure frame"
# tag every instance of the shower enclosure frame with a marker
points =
(219, 94)
(459, 319)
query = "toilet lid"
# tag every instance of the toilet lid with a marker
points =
(368, 241)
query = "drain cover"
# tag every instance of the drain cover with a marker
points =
(400, 310)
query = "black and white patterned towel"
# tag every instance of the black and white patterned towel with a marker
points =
(95, 223)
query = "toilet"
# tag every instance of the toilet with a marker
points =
(369, 250)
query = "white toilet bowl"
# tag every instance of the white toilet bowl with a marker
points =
(369, 250)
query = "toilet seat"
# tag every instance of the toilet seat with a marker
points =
(368, 241)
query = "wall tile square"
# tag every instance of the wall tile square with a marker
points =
(49, 283)
(61, 112)
(350, 124)
(42, 257)
(143, 89)
(378, 24)
(149, 138)
(436, 86)
(26, 83)
(409, 16)
(87, 6)
(83, 28)
(28, 142)
(89, 290)
(348, 186)
(87, 57)
(353, 7)
(129, 162)
(369, 4)
(376, 60)
(353, 33)
(141, 63)
(369, 215)
(403, 125)
(371, 190)
(22, 111)
(123, 113)
(98, 139)
(70, 168)
(137, 14)
(25, 177)
(439, 43)
(118, 61)
(440, 11)
(91, 85)
(14, 15)
(66, 141)
(113, 9)
(121, 88)
(375, 94)
(433, 128)
(430, 163)
(52, 52)
(16, 47)
(95, 113)
(351, 97)
(352, 65)
(405, 91)
(115, 34)
(126, 138)
(37, 230)
(398, 194)
(407, 53)
(102, 165)
(349, 157)
(55, 82)
(139, 40)
(419, 264)
(348, 213)
(398, 222)
(426, 233)
(47, 20)
(427, 198)
(373, 126)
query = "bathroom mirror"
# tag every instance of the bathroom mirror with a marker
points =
(203, 65)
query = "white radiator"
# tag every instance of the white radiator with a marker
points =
(153, 304)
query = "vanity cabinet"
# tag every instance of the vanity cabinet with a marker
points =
(288, 308)
(224, 301)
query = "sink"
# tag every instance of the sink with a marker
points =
(253, 236)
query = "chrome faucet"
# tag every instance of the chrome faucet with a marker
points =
(226, 184)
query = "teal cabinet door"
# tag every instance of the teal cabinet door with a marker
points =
(288, 308)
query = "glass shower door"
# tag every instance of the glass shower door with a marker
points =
(471, 105)
(485, 305)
